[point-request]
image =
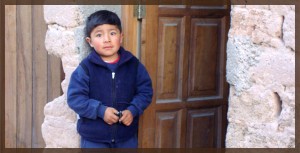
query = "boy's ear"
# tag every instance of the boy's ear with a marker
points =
(88, 40)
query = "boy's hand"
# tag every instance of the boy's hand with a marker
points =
(110, 116)
(126, 118)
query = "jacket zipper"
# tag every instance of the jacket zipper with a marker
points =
(114, 103)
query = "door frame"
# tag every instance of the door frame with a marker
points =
(129, 28)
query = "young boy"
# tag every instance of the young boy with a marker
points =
(110, 88)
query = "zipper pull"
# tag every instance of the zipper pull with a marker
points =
(113, 75)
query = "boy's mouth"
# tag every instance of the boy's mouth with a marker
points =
(108, 47)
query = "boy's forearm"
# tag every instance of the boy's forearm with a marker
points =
(89, 108)
(139, 104)
(101, 111)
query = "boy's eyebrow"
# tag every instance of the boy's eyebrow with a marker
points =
(100, 30)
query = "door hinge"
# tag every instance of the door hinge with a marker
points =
(139, 11)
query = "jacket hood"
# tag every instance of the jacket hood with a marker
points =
(95, 58)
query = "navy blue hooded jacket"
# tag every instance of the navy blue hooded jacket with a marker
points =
(94, 87)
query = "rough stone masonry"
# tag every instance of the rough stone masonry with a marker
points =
(261, 74)
(260, 71)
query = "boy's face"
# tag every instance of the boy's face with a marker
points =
(106, 39)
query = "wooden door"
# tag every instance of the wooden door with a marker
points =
(184, 50)
(32, 77)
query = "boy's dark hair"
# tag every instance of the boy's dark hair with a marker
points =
(102, 17)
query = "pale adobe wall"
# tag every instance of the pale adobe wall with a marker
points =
(261, 74)
(65, 39)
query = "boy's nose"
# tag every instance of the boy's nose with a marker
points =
(106, 38)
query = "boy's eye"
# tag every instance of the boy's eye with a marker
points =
(113, 33)
(98, 35)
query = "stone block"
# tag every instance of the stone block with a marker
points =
(247, 21)
(242, 54)
(64, 15)
(59, 126)
(59, 41)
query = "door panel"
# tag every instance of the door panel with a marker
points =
(183, 49)
(168, 127)
(203, 57)
(169, 44)
(202, 128)
(206, 58)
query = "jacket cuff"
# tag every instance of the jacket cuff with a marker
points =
(101, 111)
(133, 111)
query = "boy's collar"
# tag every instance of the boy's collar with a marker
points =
(115, 61)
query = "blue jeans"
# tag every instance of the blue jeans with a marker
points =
(130, 143)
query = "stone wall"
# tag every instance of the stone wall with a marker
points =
(261, 74)
(65, 39)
